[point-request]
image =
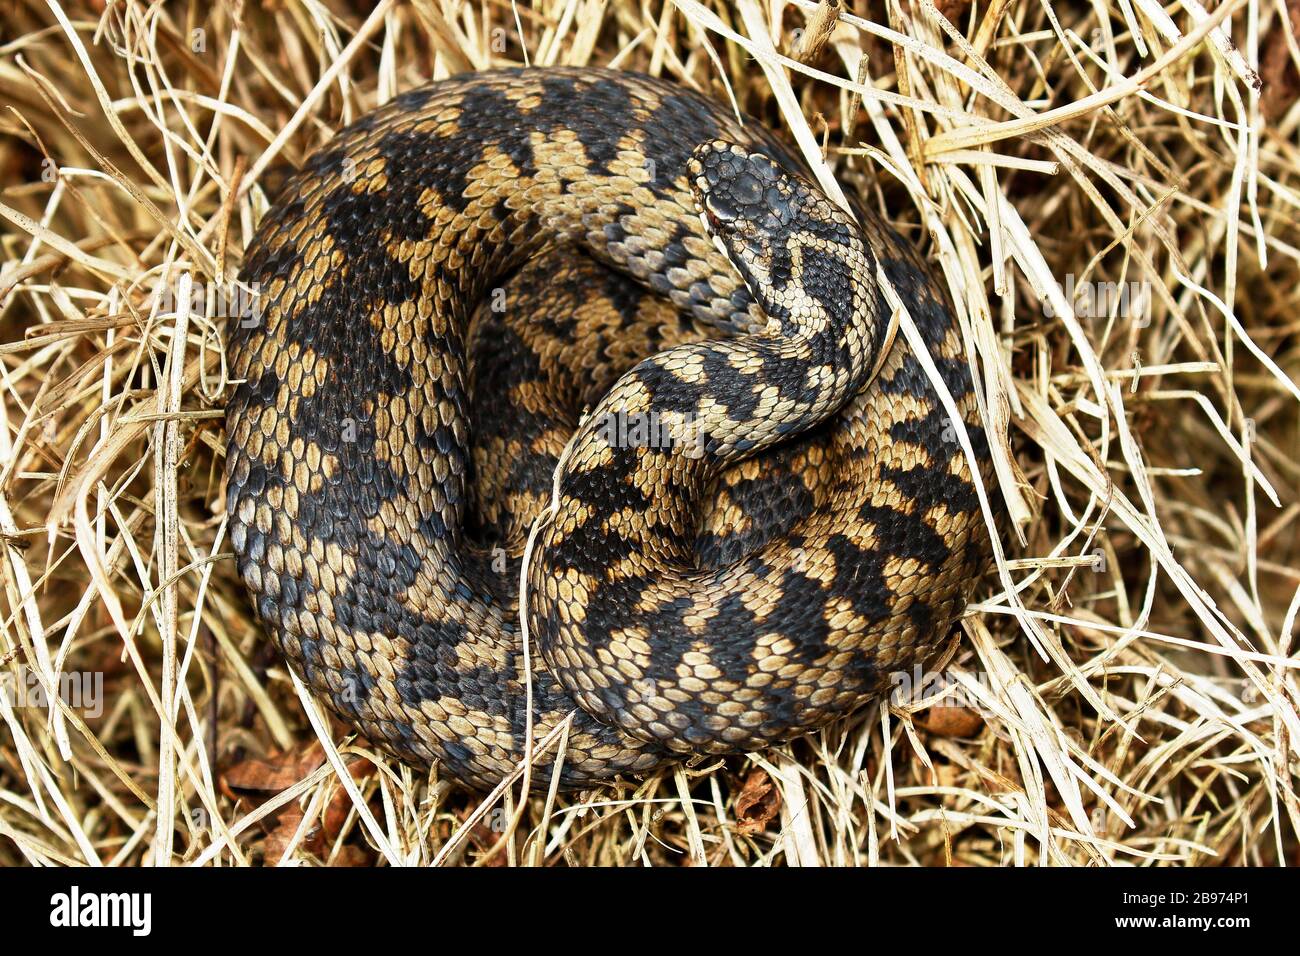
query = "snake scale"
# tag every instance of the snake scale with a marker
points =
(605, 298)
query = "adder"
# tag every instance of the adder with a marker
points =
(596, 322)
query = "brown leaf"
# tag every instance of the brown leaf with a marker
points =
(340, 805)
(259, 779)
(1277, 69)
(483, 837)
(286, 824)
(954, 11)
(951, 721)
(757, 804)
(272, 774)
(352, 856)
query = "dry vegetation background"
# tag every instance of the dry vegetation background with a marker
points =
(1123, 692)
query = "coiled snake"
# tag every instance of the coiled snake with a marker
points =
(760, 509)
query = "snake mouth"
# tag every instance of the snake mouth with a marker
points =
(751, 273)
(710, 230)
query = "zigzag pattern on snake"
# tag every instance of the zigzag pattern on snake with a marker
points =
(760, 510)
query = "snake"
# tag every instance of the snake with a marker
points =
(591, 346)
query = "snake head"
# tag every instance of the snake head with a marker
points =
(746, 204)
(760, 216)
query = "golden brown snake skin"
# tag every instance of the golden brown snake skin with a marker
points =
(749, 532)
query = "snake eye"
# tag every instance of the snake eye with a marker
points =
(747, 190)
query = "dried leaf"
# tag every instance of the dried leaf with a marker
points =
(950, 721)
(757, 804)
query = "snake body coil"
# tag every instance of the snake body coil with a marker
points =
(762, 513)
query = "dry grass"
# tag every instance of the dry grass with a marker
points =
(1129, 675)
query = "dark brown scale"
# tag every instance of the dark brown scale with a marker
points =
(364, 415)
